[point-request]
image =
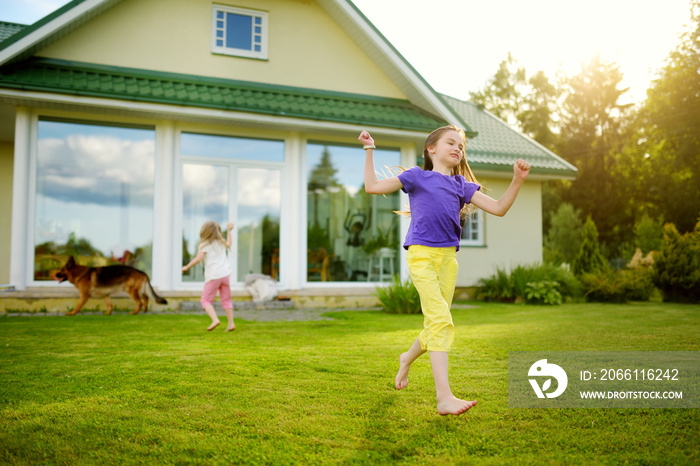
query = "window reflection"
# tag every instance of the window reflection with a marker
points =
(258, 226)
(254, 200)
(349, 229)
(226, 147)
(204, 198)
(94, 196)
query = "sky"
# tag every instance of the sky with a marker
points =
(456, 45)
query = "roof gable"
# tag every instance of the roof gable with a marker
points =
(50, 28)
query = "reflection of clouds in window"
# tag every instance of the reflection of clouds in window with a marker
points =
(205, 145)
(205, 190)
(100, 169)
(94, 183)
(49, 228)
(211, 178)
(259, 188)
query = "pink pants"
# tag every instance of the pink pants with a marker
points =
(222, 286)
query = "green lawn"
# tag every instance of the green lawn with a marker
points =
(154, 389)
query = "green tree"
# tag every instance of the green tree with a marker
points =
(527, 104)
(589, 259)
(536, 116)
(592, 120)
(676, 270)
(503, 93)
(648, 234)
(563, 240)
(668, 142)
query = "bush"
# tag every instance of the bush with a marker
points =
(544, 292)
(568, 285)
(399, 297)
(603, 286)
(676, 269)
(497, 287)
(539, 280)
(618, 286)
(638, 284)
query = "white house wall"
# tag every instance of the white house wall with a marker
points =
(515, 239)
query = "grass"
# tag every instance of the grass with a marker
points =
(158, 389)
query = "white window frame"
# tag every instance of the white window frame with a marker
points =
(475, 222)
(233, 165)
(222, 49)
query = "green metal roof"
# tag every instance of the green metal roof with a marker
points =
(9, 29)
(26, 30)
(497, 145)
(84, 79)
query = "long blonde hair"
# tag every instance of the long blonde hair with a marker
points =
(462, 169)
(211, 233)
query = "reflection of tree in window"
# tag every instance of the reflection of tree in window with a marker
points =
(322, 182)
(270, 245)
(322, 177)
(342, 217)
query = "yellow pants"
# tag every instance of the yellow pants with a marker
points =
(434, 273)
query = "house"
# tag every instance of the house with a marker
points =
(126, 124)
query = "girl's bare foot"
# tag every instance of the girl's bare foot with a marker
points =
(231, 329)
(213, 326)
(401, 380)
(454, 406)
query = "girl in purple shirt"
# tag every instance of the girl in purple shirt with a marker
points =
(439, 195)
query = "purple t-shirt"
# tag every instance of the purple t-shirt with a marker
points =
(435, 201)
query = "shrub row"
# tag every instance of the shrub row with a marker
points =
(539, 283)
(675, 272)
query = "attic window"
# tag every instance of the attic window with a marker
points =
(239, 32)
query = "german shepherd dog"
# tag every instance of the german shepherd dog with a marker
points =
(101, 282)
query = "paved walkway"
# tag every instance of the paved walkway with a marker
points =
(245, 313)
(257, 315)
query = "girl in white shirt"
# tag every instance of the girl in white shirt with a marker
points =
(213, 248)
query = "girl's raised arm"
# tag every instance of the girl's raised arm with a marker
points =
(229, 238)
(499, 207)
(197, 259)
(372, 184)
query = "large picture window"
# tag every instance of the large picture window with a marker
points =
(94, 196)
(351, 235)
(205, 197)
(233, 179)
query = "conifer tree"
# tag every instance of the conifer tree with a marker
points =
(589, 258)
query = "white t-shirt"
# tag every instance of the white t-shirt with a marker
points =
(215, 261)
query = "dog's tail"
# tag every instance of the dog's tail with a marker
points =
(152, 294)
